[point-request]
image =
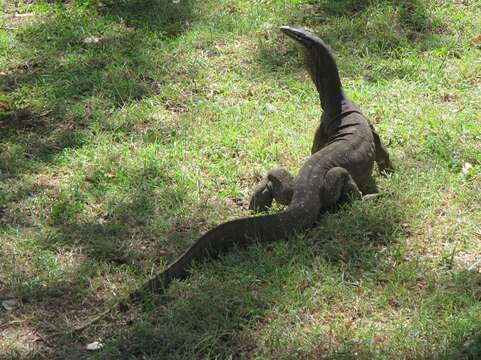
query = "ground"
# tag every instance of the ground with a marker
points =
(128, 128)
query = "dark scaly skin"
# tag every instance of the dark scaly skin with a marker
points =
(345, 136)
(343, 154)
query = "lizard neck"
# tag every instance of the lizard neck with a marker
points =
(333, 103)
(322, 68)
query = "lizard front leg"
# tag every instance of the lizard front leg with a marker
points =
(276, 185)
(381, 156)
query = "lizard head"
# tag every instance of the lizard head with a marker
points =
(313, 49)
(304, 37)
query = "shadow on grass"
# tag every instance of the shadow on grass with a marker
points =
(137, 208)
(74, 68)
(358, 31)
(168, 17)
(121, 237)
(70, 72)
(205, 318)
(215, 316)
(208, 319)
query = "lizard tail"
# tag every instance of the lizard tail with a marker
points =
(238, 232)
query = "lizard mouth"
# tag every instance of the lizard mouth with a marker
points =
(304, 37)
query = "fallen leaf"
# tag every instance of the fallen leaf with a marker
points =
(92, 40)
(24, 15)
(379, 339)
(96, 345)
(9, 304)
(466, 167)
(271, 108)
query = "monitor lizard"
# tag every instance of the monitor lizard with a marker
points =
(340, 167)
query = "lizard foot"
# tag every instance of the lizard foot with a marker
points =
(370, 197)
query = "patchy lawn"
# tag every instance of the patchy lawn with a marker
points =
(128, 128)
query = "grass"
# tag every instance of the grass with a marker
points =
(128, 128)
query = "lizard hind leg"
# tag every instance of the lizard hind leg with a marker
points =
(339, 187)
(276, 185)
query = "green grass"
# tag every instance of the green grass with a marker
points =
(128, 128)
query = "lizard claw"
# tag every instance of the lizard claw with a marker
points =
(386, 168)
(369, 197)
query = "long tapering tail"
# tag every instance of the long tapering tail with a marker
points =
(233, 233)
